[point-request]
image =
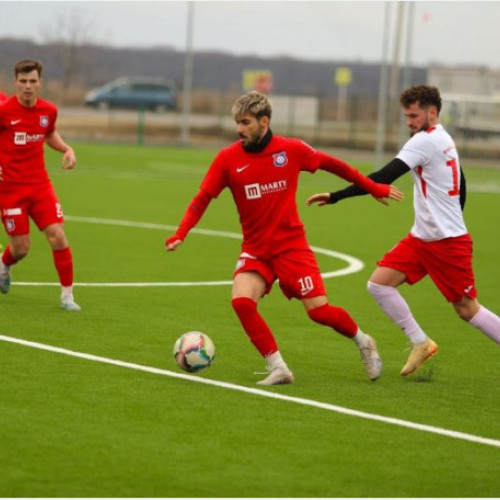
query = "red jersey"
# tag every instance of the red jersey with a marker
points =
(3, 97)
(22, 134)
(264, 186)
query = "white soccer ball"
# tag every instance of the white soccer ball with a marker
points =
(194, 351)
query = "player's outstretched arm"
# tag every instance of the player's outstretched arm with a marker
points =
(394, 194)
(319, 198)
(193, 214)
(325, 198)
(386, 175)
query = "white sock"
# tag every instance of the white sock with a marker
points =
(360, 338)
(392, 303)
(67, 293)
(3, 267)
(488, 323)
(275, 360)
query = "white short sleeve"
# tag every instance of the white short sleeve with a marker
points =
(417, 150)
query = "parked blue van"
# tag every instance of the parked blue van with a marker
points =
(134, 93)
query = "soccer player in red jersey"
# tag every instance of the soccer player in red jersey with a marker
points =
(26, 122)
(438, 244)
(261, 170)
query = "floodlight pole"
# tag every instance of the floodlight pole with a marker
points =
(382, 91)
(407, 67)
(394, 88)
(188, 75)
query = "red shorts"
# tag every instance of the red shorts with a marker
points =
(297, 270)
(21, 201)
(448, 262)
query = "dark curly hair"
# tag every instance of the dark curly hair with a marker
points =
(424, 95)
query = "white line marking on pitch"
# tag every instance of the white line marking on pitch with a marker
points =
(258, 392)
(354, 265)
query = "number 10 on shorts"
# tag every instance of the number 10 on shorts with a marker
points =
(306, 285)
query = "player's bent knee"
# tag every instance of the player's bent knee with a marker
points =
(464, 313)
(20, 253)
(56, 236)
(466, 309)
(20, 250)
(58, 241)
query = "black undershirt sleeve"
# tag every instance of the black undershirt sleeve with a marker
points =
(386, 175)
(463, 189)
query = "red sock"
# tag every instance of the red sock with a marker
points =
(7, 257)
(336, 318)
(63, 261)
(254, 326)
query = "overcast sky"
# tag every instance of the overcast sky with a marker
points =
(444, 32)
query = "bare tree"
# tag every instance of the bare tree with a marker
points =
(68, 38)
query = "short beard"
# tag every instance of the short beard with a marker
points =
(425, 127)
(255, 139)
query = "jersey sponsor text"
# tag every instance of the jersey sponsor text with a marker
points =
(22, 138)
(254, 191)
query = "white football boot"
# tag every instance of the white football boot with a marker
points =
(280, 375)
(68, 303)
(5, 276)
(371, 359)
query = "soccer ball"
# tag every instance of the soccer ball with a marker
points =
(194, 351)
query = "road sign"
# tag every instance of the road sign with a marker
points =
(343, 77)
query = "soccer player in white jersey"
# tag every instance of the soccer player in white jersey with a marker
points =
(438, 244)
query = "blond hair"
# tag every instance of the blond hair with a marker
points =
(252, 103)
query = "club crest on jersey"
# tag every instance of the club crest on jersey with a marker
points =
(44, 121)
(10, 225)
(280, 159)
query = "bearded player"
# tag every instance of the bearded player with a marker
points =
(261, 171)
(438, 244)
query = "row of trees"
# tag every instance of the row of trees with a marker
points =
(75, 55)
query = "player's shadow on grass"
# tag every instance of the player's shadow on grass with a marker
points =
(426, 373)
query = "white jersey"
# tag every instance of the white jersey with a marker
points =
(435, 166)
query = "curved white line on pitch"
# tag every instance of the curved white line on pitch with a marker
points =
(354, 265)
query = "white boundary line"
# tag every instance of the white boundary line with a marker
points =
(354, 265)
(258, 392)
